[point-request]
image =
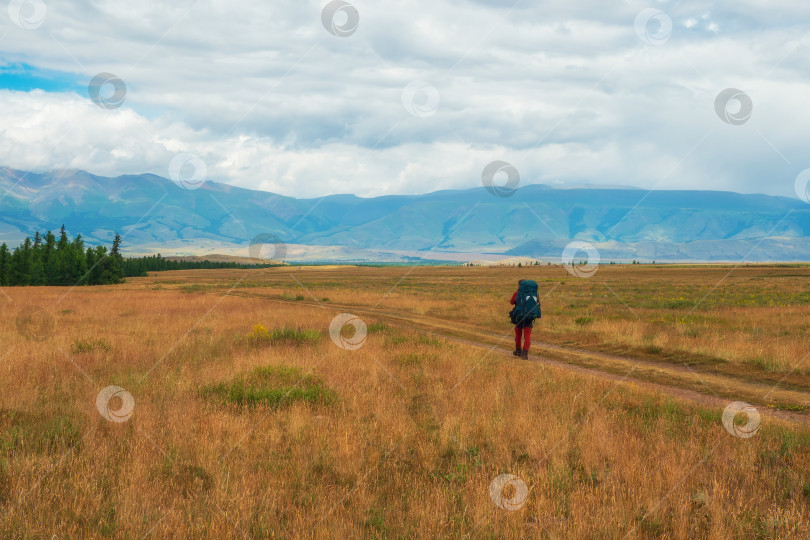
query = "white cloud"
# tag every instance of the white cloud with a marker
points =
(564, 91)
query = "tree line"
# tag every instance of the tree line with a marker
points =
(139, 266)
(46, 260)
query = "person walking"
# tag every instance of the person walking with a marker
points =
(526, 310)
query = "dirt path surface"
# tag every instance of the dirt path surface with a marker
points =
(680, 381)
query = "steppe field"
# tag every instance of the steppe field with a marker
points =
(383, 402)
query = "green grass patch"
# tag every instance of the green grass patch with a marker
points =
(396, 339)
(768, 365)
(712, 416)
(692, 333)
(790, 407)
(376, 521)
(89, 345)
(271, 385)
(38, 433)
(431, 341)
(583, 321)
(190, 288)
(679, 303)
(377, 327)
(791, 441)
(650, 414)
(415, 359)
(290, 336)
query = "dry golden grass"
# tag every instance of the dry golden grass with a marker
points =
(419, 427)
(724, 325)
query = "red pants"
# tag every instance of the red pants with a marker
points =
(527, 338)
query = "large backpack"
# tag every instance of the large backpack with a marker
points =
(527, 304)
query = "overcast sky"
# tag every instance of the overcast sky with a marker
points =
(420, 96)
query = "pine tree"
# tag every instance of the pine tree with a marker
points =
(5, 262)
(21, 264)
(49, 258)
(37, 267)
(78, 263)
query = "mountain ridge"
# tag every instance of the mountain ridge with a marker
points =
(536, 221)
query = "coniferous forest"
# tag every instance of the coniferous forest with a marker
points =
(139, 266)
(48, 260)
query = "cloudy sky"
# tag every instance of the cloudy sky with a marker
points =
(308, 98)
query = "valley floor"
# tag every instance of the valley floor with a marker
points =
(219, 404)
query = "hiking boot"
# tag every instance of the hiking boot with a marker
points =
(524, 355)
(516, 352)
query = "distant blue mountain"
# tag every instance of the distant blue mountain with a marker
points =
(536, 221)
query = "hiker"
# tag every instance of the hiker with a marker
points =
(526, 310)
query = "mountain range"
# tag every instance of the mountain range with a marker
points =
(154, 214)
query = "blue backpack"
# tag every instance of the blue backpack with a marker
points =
(527, 303)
